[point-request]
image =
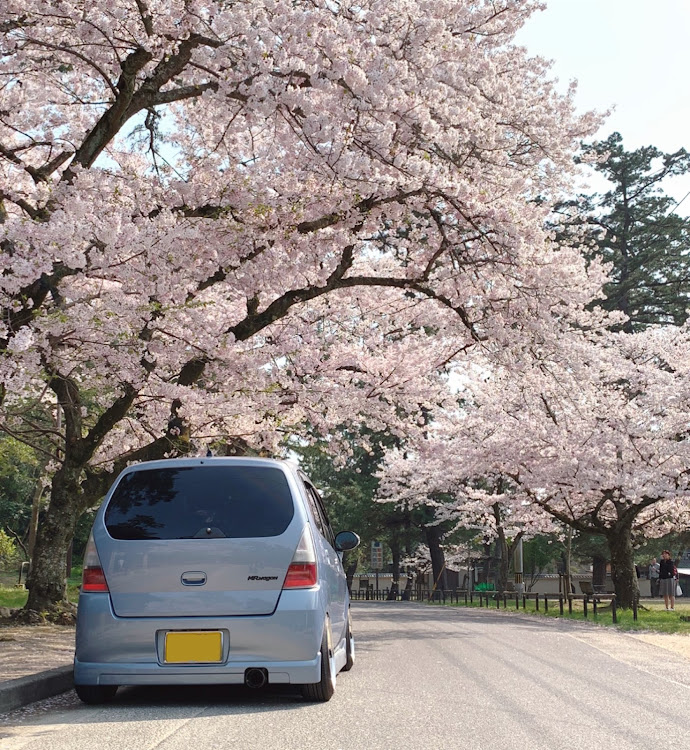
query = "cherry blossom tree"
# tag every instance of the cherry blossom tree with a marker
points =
(592, 433)
(433, 474)
(218, 220)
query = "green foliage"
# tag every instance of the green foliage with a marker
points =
(14, 597)
(676, 542)
(540, 553)
(344, 469)
(19, 469)
(647, 244)
(8, 550)
(588, 546)
(81, 533)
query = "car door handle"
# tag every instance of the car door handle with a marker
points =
(193, 578)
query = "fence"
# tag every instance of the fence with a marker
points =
(496, 598)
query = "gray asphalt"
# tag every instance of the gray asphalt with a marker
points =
(427, 678)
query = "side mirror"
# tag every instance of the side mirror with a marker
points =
(346, 540)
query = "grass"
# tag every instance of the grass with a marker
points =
(651, 615)
(13, 596)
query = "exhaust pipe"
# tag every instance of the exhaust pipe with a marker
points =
(255, 677)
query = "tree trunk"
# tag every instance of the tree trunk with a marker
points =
(485, 569)
(33, 524)
(568, 562)
(619, 541)
(395, 586)
(407, 592)
(47, 580)
(598, 571)
(503, 567)
(504, 550)
(438, 563)
(352, 561)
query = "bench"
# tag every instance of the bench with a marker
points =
(587, 588)
(590, 590)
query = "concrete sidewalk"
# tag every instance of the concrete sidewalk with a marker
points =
(35, 663)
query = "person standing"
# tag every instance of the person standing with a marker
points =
(667, 581)
(653, 575)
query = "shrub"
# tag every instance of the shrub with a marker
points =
(8, 550)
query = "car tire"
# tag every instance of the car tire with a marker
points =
(349, 646)
(95, 694)
(322, 690)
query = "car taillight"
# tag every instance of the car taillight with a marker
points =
(93, 578)
(300, 576)
(302, 572)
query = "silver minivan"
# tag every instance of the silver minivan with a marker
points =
(213, 571)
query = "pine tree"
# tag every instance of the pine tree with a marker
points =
(647, 243)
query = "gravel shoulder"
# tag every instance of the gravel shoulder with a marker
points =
(29, 649)
(679, 644)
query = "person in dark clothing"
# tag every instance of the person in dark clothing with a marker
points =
(667, 580)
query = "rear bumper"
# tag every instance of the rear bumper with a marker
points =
(294, 673)
(113, 650)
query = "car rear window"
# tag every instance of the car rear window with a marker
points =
(198, 502)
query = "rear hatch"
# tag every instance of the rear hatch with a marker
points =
(210, 539)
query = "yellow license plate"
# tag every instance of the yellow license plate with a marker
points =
(201, 646)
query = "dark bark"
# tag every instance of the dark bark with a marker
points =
(407, 592)
(351, 562)
(598, 570)
(505, 550)
(503, 567)
(618, 532)
(502, 551)
(47, 580)
(74, 489)
(395, 586)
(623, 566)
(438, 563)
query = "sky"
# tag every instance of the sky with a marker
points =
(632, 56)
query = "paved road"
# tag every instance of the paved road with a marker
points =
(426, 678)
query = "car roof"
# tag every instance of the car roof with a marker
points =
(187, 461)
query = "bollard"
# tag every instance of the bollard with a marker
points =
(614, 612)
(546, 604)
(505, 600)
(584, 602)
(498, 600)
(465, 596)
(594, 606)
(570, 604)
(471, 597)
(635, 610)
(517, 601)
(536, 601)
(524, 601)
(560, 603)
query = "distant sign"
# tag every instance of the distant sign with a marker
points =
(376, 555)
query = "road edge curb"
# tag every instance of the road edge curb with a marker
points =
(24, 690)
